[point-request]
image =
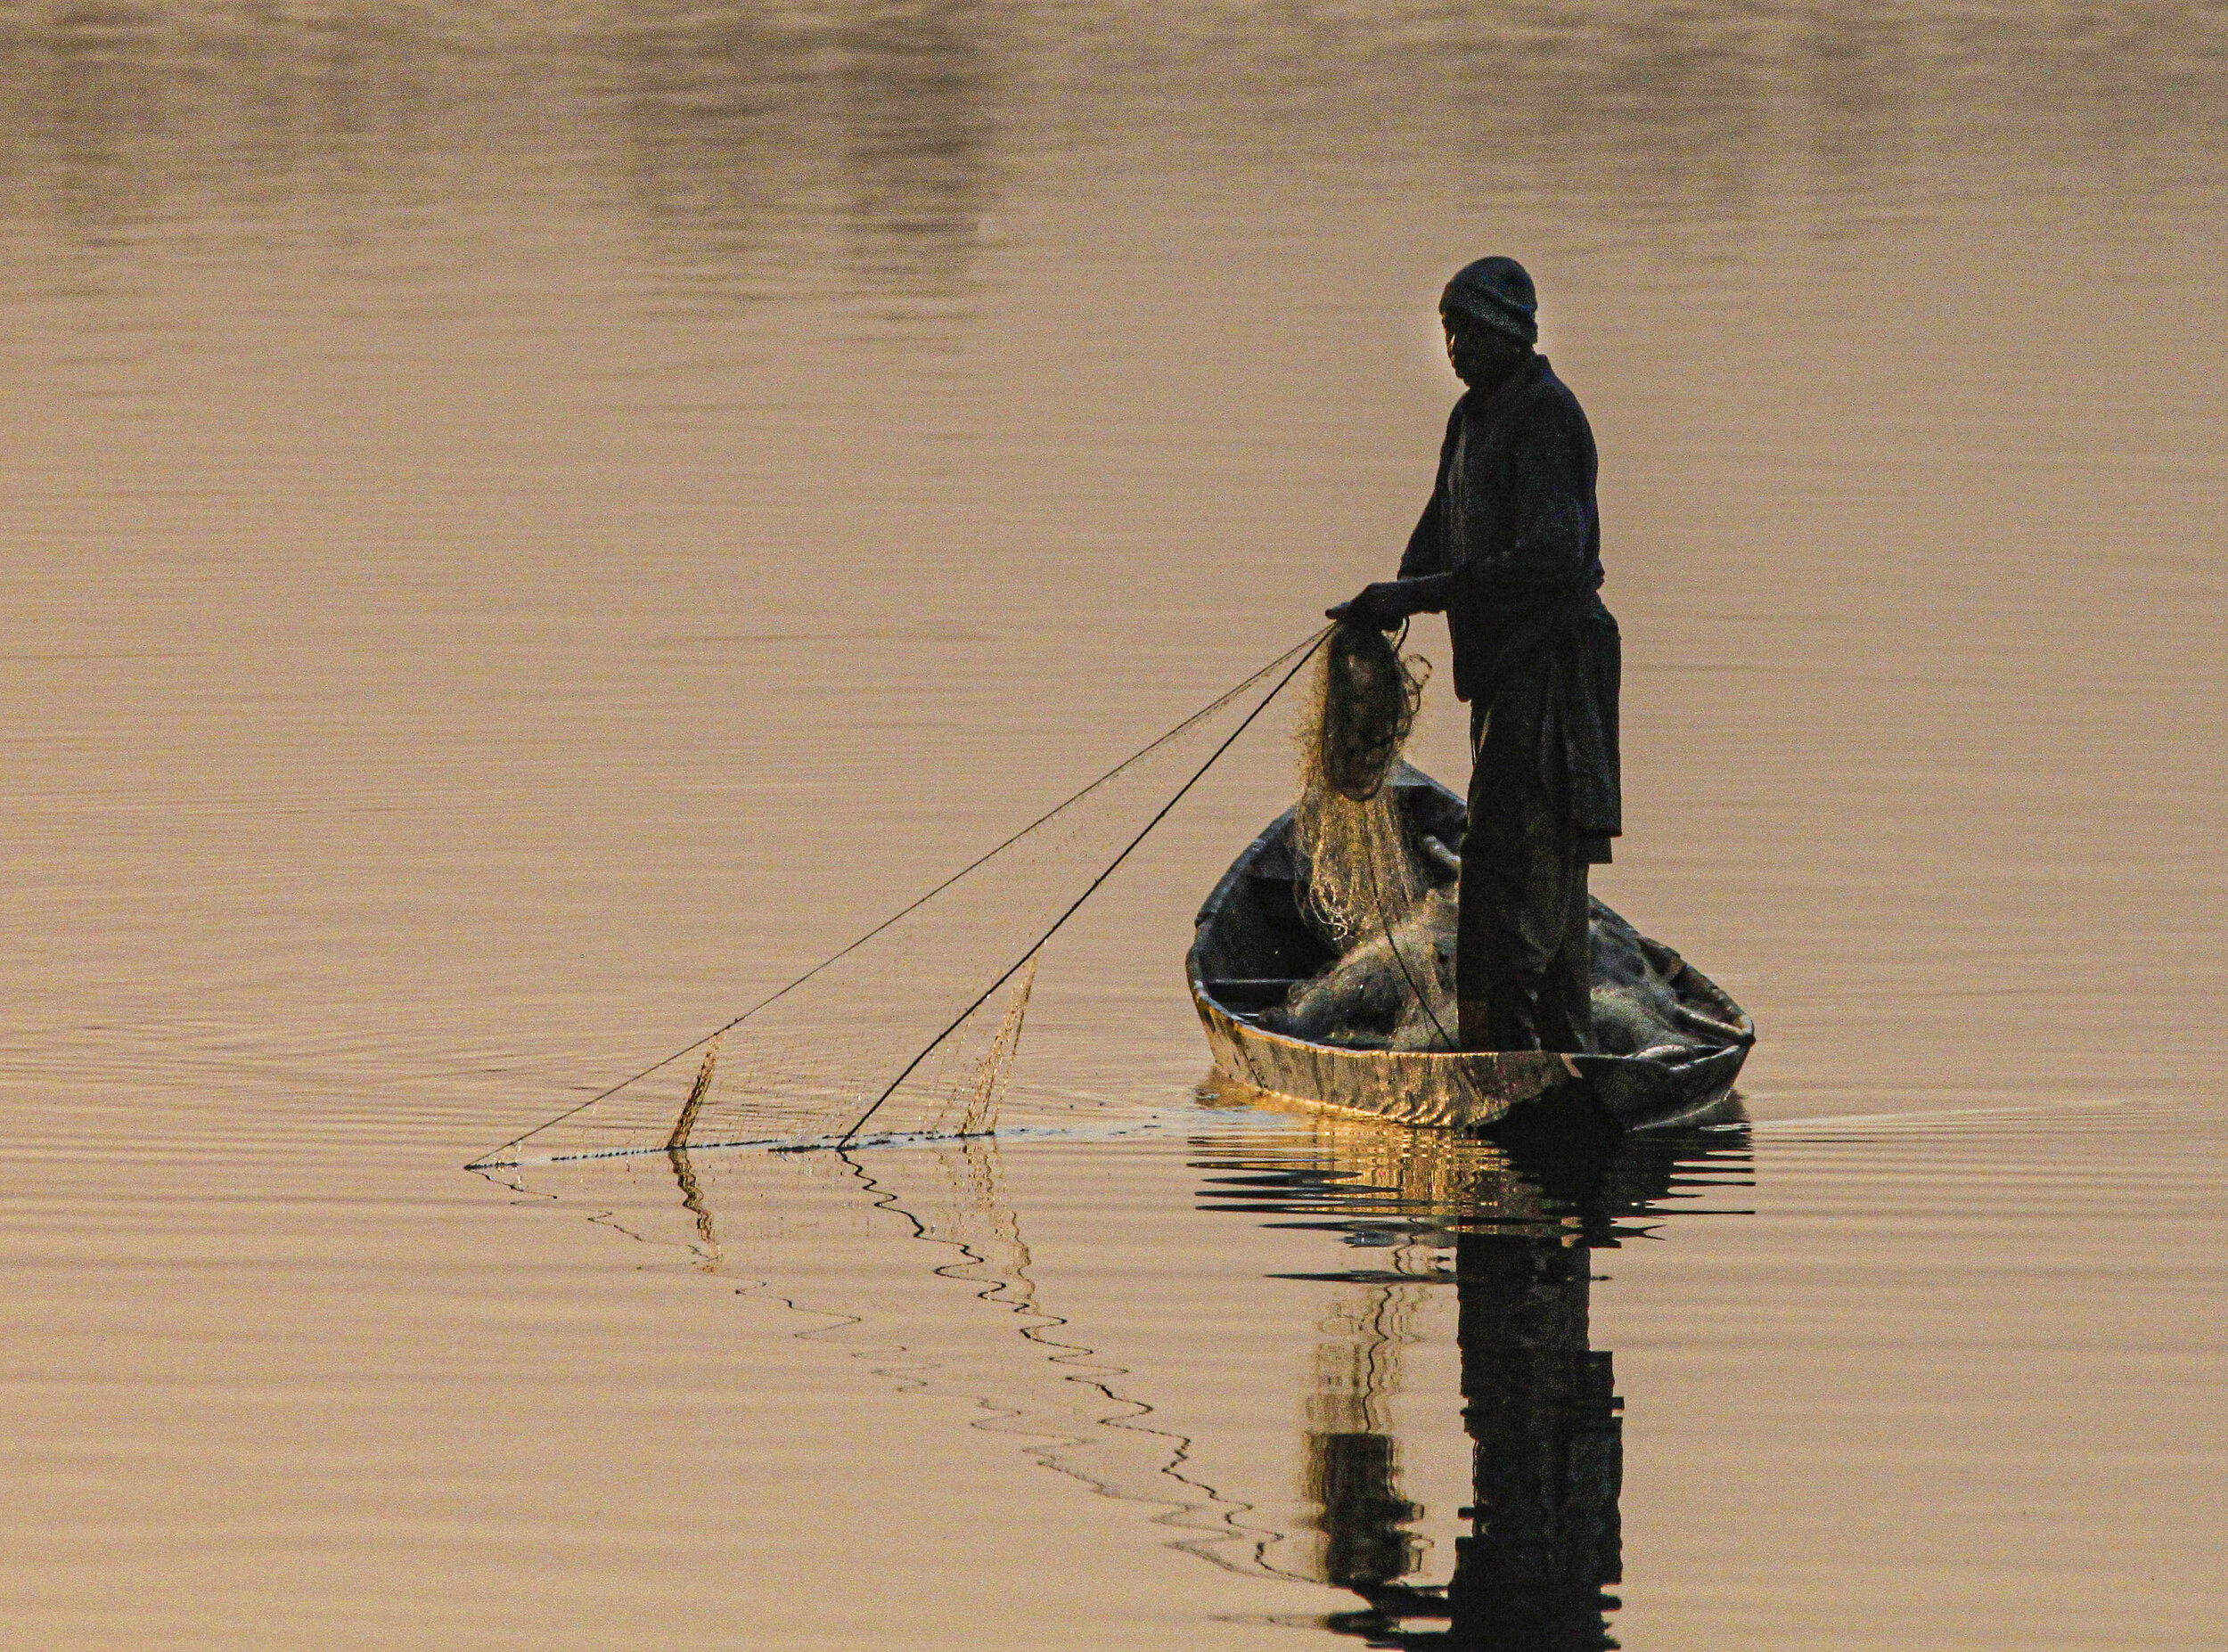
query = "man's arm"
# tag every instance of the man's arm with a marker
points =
(1385, 604)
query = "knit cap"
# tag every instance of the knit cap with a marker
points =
(1497, 292)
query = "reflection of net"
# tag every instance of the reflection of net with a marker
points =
(913, 1028)
(912, 1260)
(1352, 1464)
(1361, 868)
(1067, 1405)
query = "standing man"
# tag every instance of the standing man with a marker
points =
(1509, 548)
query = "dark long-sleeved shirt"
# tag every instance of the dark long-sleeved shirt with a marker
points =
(1510, 547)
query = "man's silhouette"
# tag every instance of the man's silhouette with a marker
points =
(1509, 548)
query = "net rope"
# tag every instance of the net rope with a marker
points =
(911, 1028)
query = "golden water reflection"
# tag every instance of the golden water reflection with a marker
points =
(1512, 1230)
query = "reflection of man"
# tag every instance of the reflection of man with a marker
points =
(1509, 548)
(1547, 1458)
(1540, 1406)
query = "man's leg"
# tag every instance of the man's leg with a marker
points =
(1521, 881)
(1566, 1000)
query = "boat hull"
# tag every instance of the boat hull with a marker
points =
(1250, 927)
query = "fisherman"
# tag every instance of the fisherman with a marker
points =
(1509, 548)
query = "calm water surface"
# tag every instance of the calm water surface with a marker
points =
(527, 525)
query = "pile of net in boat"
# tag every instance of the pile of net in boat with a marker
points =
(1368, 999)
(912, 1028)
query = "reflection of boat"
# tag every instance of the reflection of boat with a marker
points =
(1543, 1541)
(1256, 942)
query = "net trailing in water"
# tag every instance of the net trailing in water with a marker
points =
(912, 1028)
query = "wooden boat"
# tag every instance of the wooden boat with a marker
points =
(1256, 942)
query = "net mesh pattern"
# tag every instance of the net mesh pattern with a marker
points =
(1362, 870)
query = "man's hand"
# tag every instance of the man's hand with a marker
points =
(1383, 607)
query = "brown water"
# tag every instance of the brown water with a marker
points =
(527, 525)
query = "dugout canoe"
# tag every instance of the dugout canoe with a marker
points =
(1254, 941)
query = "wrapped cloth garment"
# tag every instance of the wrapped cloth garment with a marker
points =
(1524, 969)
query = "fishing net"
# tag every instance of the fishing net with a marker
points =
(912, 1028)
(1362, 870)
